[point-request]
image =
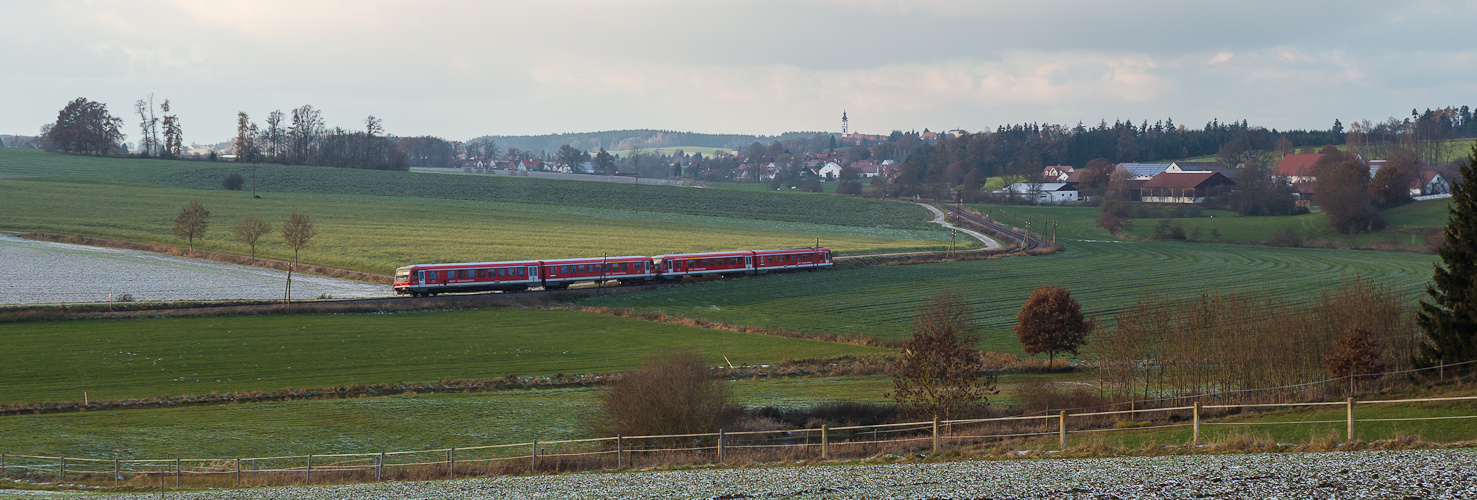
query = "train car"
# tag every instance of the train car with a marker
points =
(628, 269)
(675, 266)
(430, 279)
(791, 259)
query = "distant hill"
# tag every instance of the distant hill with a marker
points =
(627, 139)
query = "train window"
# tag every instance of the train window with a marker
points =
(623, 267)
(481, 273)
(521, 271)
(433, 275)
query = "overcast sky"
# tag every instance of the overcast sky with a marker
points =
(461, 69)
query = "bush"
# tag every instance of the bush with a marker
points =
(1287, 238)
(233, 182)
(1167, 230)
(672, 393)
(1108, 221)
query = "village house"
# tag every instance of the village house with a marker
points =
(1040, 192)
(829, 171)
(1183, 187)
(1057, 173)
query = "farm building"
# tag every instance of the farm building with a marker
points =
(1182, 187)
(830, 171)
(1201, 166)
(1043, 192)
(1143, 171)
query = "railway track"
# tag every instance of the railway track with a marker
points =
(1025, 241)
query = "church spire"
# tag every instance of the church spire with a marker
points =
(843, 122)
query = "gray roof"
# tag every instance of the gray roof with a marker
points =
(1144, 169)
(1044, 187)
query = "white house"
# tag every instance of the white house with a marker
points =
(830, 171)
(1042, 192)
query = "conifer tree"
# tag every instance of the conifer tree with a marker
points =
(1450, 318)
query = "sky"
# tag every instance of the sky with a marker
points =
(463, 69)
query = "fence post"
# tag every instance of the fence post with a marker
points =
(379, 467)
(1062, 432)
(619, 452)
(451, 462)
(117, 474)
(720, 445)
(1349, 406)
(825, 441)
(1197, 422)
(533, 464)
(4, 470)
(935, 433)
(62, 472)
(238, 471)
(176, 473)
(308, 472)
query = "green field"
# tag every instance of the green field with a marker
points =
(119, 359)
(826, 187)
(1103, 275)
(378, 234)
(1080, 223)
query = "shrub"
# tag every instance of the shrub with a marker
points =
(1355, 353)
(1110, 222)
(1288, 237)
(939, 373)
(233, 182)
(672, 393)
(1167, 230)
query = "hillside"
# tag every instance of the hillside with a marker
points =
(614, 140)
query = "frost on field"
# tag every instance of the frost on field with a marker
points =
(37, 272)
(1433, 474)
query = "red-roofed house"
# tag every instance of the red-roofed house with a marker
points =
(1056, 173)
(1182, 187)
(1297, 168)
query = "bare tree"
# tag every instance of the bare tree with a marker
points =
(940, 373)
(297, 231)
(174, 141)
(192, 222)
(672, 393)
(247, 143)
(148, 143)
(250, 230)
(273, 136)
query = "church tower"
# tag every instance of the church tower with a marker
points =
(843, 123)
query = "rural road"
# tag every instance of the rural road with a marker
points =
(943, 220)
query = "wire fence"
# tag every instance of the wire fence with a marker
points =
(722, 447)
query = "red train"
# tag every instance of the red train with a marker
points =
(430, 279)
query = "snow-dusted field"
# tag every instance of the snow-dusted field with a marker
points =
(1428, 474)
(39, 272)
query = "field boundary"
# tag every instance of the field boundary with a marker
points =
(930, 437)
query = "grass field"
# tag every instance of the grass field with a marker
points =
(120, 359)
(1103, 275)
(1080, 223)
(826, 187)
(378, 234)
(600, 195)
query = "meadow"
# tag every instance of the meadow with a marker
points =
(377, 234)
(1105, 276)
(137, 358)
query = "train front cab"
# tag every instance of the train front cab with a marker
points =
(466, 277)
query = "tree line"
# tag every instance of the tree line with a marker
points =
(303, 138)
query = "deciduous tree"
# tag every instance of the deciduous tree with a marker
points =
(192, 222)
(1390, 187)
(1356, 353)
(1343, 193)
(250, 230)
(1450, 318)
(1051, 322)
(672, 393)
(940, 373)
(174, 138)
(86, 127)
(297, 231)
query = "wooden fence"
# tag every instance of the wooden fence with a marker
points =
(620, 452)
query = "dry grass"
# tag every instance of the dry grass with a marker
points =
(662, 317)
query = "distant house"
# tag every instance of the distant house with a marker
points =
(1056, 173)
(830, 171)
(1432, 180)
(1040, 192)
(1296, 168)
(1201, 166)
(1182, 187)
(1143, 171)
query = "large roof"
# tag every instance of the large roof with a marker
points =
(1300, 165)
(1183, 179)
(1143, 169)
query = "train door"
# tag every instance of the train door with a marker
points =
(532, 273)
(748, 261)
(420, 277)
